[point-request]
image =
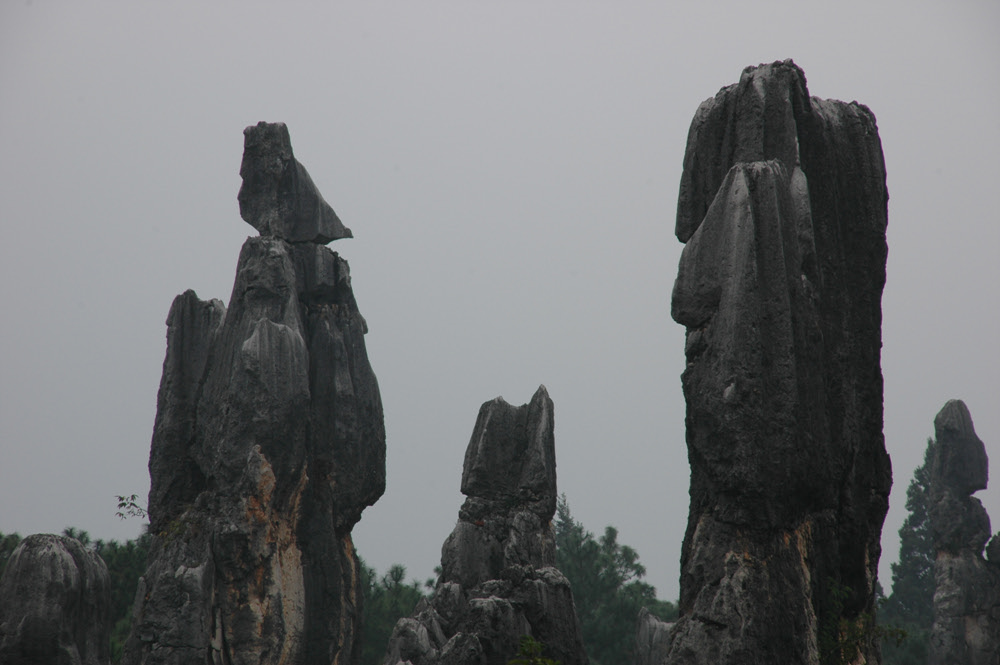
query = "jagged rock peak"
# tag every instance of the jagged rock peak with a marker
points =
(498, 577)
(55, 604)
(512, 454)
(768, 115)
(278, 198)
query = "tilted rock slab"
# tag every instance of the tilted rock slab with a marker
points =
(278, 198)
(966, 628)
(268, 443)
(783, 209)
(55, 604)
(498, 579)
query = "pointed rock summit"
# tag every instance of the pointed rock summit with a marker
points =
(268, 444)
(966, 628)
(783, 209)
(498, 576)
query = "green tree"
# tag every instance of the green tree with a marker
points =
(608, 590)
(386, 601)
(911, 604)
(530, 653)
(8, 543)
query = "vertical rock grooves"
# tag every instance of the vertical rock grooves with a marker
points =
(783, 209)
(268, 443)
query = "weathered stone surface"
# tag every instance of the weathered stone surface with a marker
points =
(783, 209)
(498, 579)
(278, 198)
(966, 628)
(268, 444)
(652, 639)
(55, 604)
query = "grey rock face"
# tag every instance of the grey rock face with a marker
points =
(966, 628)
(278, 198)
(652, 639)
(268, 443)
(783, 209)
(498, 579)
(55, 604)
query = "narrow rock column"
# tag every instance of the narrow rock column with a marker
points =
(268, 444)
(783, 211)
(966, 628)
(55, 604)
(498, 579)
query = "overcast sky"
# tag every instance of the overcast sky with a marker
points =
(510, 172)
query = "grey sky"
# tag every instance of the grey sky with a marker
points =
(510, 172)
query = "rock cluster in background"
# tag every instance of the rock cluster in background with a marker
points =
(268, 443)
(783, 209)
(966, 627)
(498, 577)
(55, 604)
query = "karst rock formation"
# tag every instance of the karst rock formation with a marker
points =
(55, 604)
(783, 212)
(268, 443)
(966, 628)
(498, 576)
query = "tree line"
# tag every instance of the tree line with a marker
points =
(606, 577)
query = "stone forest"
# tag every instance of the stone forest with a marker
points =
(269, 444)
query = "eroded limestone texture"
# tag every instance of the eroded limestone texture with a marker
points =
(966, 627)
(782, 208)
(268, 443)
(55, 604)
(499, 579)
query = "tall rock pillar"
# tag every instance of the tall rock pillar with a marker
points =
(268, 443)
(498, 576)
(966, 628)
(783, 209)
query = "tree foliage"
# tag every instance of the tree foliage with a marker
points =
(608, 590)
(911, 604)
(8, 543)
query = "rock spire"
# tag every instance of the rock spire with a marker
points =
(268, 444)
(498, 579)
(783, 209)
(966, 628)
